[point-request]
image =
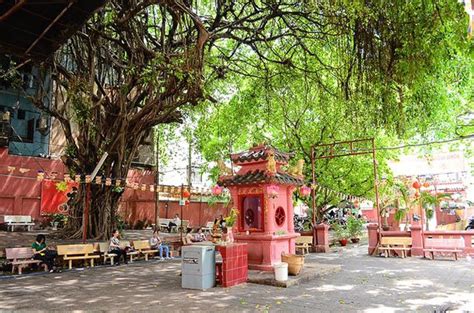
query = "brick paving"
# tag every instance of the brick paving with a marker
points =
(364, 284)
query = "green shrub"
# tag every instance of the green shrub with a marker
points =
(355, 227)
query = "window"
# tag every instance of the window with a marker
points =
(252, 213)
(280, 216)
(21, 114)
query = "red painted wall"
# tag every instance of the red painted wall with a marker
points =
(22, 194)
(198, 213)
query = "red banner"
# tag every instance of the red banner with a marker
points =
(52, 199)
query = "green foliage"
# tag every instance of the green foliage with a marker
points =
(379, 77)
(340, 231)
(400, 214)
(222, 198)
(231, 218)
(59, 218)
(355, 227)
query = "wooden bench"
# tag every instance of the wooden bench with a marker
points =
(402, 244)
(164, 222)
(77, 252)
(124, 244)
(208, 227)
(143, 247)
(184, 225)
(104, 252)
(303, 243)
(18, 220)
(21, 258)
(444, 245)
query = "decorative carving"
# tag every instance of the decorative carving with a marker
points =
(250, 191)
(280, 216)
(297, 170)
(271, 163)
(223, 169)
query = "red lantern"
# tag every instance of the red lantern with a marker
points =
(426, 184)
(417, 194)
(305, 191)
(216, 190)
(186, 194)
(416, 185)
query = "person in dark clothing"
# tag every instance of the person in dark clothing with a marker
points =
(174, 223)
(44, 253)
(114, 247)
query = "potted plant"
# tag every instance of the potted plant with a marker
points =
(229, 223)
(355, 227)
(340, 232)
(58, 220)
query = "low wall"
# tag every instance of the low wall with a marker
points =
(418, 238)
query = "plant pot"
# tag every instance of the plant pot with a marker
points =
(355, 240)
(230, 234)
(295, 262)
(385, 227)
(343, 242)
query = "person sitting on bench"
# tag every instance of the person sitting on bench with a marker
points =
(43, 253)
(197, 237)
(174, 223)
(114, 247)
(157, 244)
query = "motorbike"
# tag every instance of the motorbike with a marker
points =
(300, 223)
(470, 224)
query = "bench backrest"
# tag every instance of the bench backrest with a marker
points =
(17, 219)
(165, 221)
(104, 247)
(80, 249)
(124, 244)
(141, 245)
(400, 241)
(444, 243)
(304, 239)
(19, 253)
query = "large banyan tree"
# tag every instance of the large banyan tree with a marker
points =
(136, 64)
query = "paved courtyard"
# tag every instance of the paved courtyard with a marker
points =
(365, 284)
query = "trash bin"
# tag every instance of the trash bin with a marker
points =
(198, 267)
(281, 271)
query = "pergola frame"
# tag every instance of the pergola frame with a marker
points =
(342, 149)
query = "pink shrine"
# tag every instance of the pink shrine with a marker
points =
(262, 193)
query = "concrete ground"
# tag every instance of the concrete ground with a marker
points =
(365, 284)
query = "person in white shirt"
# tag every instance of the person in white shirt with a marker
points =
(174, 223)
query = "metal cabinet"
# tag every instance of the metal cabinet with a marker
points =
(198, 267)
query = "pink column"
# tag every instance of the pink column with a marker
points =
(372, 230)
(321, 236)
(417, 240)
(289, 205)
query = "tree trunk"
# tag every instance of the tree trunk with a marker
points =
(103, 205)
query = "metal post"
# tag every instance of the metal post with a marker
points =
(85, 222)
(313, 191)
(181, 205)
(157, 184)
(379, 219)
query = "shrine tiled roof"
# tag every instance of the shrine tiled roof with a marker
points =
(261, 153)
(260, 176)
